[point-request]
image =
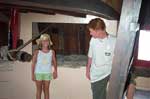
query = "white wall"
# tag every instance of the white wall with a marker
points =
(28, 18)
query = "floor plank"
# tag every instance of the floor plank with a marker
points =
(141, 94)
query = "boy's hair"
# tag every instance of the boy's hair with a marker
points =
(44, 37)
(96, 24)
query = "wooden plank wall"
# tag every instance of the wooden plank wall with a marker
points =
(68, 38)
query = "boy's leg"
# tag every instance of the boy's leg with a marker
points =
(38, 89)
(99, 88)
(46, 85)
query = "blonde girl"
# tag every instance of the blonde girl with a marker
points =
(43, 60)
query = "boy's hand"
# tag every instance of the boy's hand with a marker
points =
(55, 74)
(88, 74)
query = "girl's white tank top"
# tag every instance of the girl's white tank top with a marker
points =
(44, 62)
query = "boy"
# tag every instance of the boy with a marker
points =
(100, 57)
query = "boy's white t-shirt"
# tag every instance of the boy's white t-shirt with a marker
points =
(101, 51)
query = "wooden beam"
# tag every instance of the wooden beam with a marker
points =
(71, 13)
(124, 46)
(26, 9)
(94, 7)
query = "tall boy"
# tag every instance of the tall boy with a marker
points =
(100, 56)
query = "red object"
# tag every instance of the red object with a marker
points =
(136, 61)
(14, 26)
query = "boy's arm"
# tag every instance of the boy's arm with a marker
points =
(34, 60)
(89, 62)
(54, 64)
(88, 66)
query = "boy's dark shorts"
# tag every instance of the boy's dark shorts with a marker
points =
(99, 88)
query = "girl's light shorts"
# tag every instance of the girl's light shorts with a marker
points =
(43, 76)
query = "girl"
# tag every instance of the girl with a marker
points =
(43, 59)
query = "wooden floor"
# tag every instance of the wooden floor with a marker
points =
(140, 94)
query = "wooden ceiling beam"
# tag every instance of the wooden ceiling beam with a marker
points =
(26, 9)
(93, 7)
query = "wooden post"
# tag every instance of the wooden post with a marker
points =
(124, 46)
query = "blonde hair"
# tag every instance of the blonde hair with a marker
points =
(44, 37)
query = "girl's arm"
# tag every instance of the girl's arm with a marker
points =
(88, 66)
(34, 60)
(54, 64)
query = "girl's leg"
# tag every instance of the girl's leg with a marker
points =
(38, 89)
(46, 85)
